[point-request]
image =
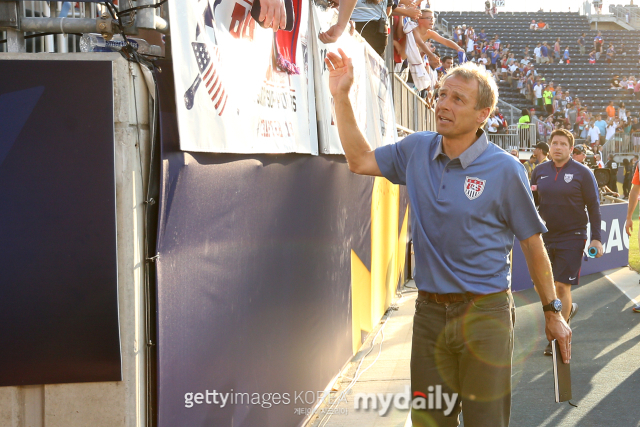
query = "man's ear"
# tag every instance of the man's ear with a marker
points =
(483, 114)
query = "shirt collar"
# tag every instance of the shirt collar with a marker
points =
(470, 154)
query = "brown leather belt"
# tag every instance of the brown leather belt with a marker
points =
(451, 298)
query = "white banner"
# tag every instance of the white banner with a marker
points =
(370, 94)
(239, 87)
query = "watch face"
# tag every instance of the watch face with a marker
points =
(557, 305)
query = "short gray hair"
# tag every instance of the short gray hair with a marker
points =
(487, 95)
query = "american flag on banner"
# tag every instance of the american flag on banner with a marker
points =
(209, 74)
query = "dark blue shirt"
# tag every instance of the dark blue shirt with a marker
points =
(544, 51)
(565, 195)
(464, 211)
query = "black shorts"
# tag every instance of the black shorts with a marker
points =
(566, 260)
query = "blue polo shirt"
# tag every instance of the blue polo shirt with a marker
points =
(544, 51)
(464, 211)
(602, 125)
(563, 194)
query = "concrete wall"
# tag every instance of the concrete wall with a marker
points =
(605, 26)
(110, 404)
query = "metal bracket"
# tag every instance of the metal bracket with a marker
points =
(9, 16)
(104, 26)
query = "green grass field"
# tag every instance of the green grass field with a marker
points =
(634, 251)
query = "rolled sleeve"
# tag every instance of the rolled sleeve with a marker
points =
(518, 209)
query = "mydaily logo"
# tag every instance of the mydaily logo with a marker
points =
(381, 402)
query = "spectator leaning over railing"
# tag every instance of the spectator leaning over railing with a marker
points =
(426, 31)
(370, 17)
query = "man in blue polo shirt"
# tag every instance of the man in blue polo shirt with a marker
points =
(565, 187)
(469, 198)
(544, 52)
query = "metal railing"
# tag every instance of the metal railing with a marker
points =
(622, 143)
(519, 137)
(412, 112)
(446, 25)
(630, 15)
(510, 113)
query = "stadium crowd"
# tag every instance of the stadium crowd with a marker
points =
(553, 107)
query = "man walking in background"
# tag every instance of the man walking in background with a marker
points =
(581, 44)
(461, 187)
(565, 187)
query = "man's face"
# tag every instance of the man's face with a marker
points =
(456, 114)
(579, 157)
(426, 21)
(560, 148)
(447, 64)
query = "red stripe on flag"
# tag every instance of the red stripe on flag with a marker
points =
(215, 84)
(223, 96)
(209, 70)
(223, 105)
(215, 95)
(213, 76)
